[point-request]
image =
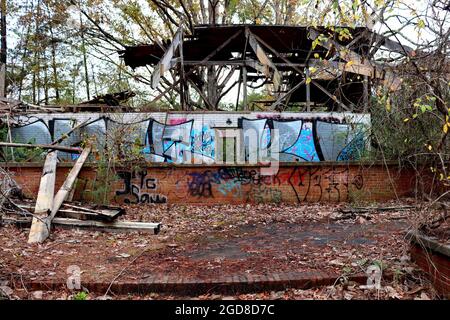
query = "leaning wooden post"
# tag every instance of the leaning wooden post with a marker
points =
(44, 202)
(66, 188)
(62, 195)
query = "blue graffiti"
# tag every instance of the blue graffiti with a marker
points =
(202, 142)
(353, 150)
(304, 147)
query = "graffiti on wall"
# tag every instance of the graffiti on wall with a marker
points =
(302, 140)
(192, 137)
(179, 141)
(247, 185)
(139, 188)
(41, 132)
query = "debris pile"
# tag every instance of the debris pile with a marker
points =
(39, 216)
(26, 213)
(111, 102)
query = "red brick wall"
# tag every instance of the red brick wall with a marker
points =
(436, 265)
(230, 184)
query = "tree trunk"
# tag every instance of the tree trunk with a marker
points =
(203, 11)
(213, 11)
(45, 84)
(54, 66)
(3, 50)
(83, 49)
(213, 94)
(195, 16)
(22, 69)
(36, 58)
(277, 10)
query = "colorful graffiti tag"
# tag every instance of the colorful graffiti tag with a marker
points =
(304, 140)
(239, 185)
(190, 137)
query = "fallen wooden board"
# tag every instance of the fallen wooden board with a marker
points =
(265, 60)
(102, 226)
(44, 202)
(107, 212)
(92, 212)
(73, 214)
(80, 215)
(116, 225)
(63, 193)
(369, 209)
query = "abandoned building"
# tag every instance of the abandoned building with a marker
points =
(319, 115)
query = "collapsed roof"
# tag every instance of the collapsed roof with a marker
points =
(281, 56)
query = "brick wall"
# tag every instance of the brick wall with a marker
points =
(296, 183)
(436, 265)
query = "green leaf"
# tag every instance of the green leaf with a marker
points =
(421, 24)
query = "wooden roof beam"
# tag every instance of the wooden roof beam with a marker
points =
(390, 80)
(264, 60)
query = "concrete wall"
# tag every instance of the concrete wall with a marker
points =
(199, 137)
(215, 184)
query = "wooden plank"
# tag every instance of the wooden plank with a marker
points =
(97, 225)
(308, 89)
(42, 146)
(116, 225)
(66, 188)
(331, 67)
(265, 61)
(344, 53)
(244, 88)
(62, 195)
(239, 63)
(75, 214)
(2, 78)
(44, 202)
(80, 215)
(428, 242)
(72, 193)
(10, 137)
(165, 62)
(391, 44)
(109, 213)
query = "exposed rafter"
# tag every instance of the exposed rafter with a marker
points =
(357, 62)
(270, 70)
